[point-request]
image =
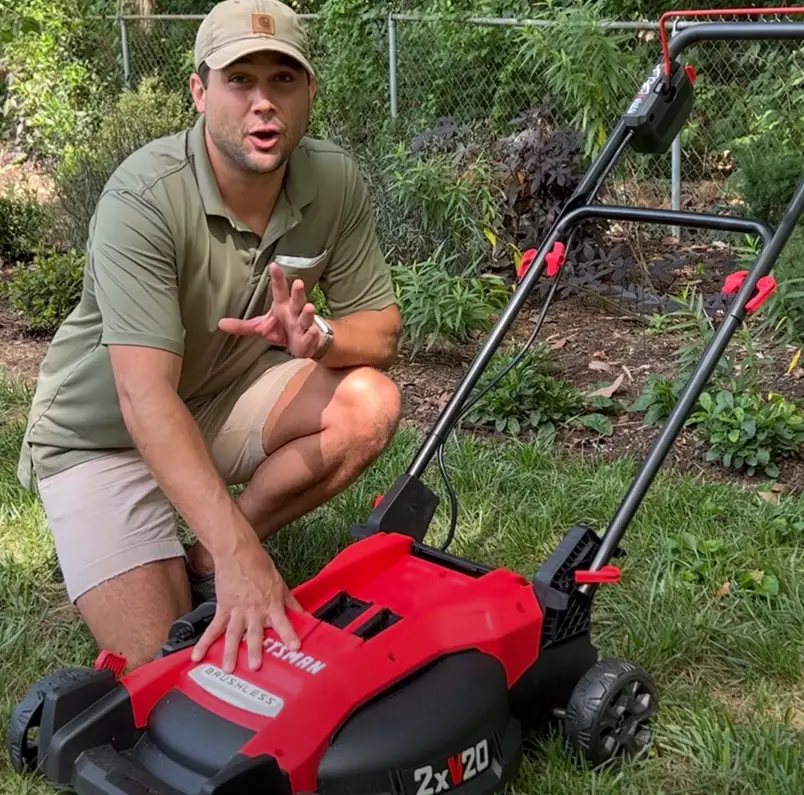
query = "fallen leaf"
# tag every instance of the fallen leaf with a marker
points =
(608, 391)
(794, 361)
(599, 366)
(628, 373)
(443, 399)
(558, 344)
(769, 496)
(723, 590)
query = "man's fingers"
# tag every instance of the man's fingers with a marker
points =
(292, 602)
(283, 627)
(306, 318)
(298, 298)
(211, 634)
(279, 284)
(255, 634)
(234, 635)
(234, 325)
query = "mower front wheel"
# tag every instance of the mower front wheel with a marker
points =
(611, 711)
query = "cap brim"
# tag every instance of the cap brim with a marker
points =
(227, 55)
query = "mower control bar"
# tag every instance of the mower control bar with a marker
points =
(534, 273)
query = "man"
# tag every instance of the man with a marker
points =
(195, 361)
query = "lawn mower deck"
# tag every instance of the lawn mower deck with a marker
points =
(417, 672)
(420, 672)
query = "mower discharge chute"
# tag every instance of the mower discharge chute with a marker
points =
(420, 671)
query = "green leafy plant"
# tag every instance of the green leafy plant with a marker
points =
(748, 431)
(443, 201)
(23, 225)
(63, 74)
(694, 559)
(46, 290)
(768, 175)
(700, 561)
(436, 305)
(529, 398)
(658, 397)
(137, 118)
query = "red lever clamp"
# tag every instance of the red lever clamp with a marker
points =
(116, 663)
(607, 573)
(765, 286)
(554, 259)
(527, 258)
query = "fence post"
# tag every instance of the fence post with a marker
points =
(124, 51)
(392, 64)
(675, 168)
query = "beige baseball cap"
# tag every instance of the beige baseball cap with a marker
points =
(235, 28)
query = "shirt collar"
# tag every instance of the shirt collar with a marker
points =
(299, 188)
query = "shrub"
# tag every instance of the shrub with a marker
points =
(46, 290)
(138, 117)
(23, 224)
(442, 197)
(62, 72)
(747, 431)
(768, 174)
(438, 306)
(529, 397)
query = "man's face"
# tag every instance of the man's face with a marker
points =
(256, 110)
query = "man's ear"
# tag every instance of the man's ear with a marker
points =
(197, 91)
(312, 85)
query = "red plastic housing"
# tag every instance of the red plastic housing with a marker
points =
(316, 689)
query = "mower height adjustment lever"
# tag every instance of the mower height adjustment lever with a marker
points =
(765, 286)
(606, 573)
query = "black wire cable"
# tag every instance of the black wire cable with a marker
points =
(453, 499)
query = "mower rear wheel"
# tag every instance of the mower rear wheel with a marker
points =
(611, 710)
(22, 742)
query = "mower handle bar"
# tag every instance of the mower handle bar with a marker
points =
(508, 315)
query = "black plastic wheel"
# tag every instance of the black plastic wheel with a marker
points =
(611, 711)
(21, 741)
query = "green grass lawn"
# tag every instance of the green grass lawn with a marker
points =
(711, 603)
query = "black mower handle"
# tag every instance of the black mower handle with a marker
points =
(650, 123)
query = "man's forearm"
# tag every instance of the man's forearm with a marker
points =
(171, 444)
(364, 339)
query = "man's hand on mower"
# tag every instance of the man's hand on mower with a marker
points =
(251, 595)
(289, 322)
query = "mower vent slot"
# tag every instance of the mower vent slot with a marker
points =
(380, 621)
(341, 610)
(448, 561)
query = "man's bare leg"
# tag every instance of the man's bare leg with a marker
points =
(132, 613)
(325, 429)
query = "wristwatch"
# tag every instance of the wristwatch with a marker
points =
(329, 336)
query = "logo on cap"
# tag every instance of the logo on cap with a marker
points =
(262, 23)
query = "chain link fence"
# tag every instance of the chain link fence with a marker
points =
(487, 72)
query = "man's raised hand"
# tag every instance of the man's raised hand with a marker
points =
(288, 323)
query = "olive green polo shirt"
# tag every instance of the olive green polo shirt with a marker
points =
(165, 262)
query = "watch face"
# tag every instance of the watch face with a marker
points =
(322, 324)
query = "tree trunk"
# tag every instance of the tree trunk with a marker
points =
(142, 8)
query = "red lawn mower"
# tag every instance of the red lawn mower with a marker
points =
(420, 672)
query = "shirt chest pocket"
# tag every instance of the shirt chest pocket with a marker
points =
(308, 269)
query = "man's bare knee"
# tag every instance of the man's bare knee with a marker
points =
(369, 407)
(132, 613)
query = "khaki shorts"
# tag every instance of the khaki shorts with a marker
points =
(108, 515)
